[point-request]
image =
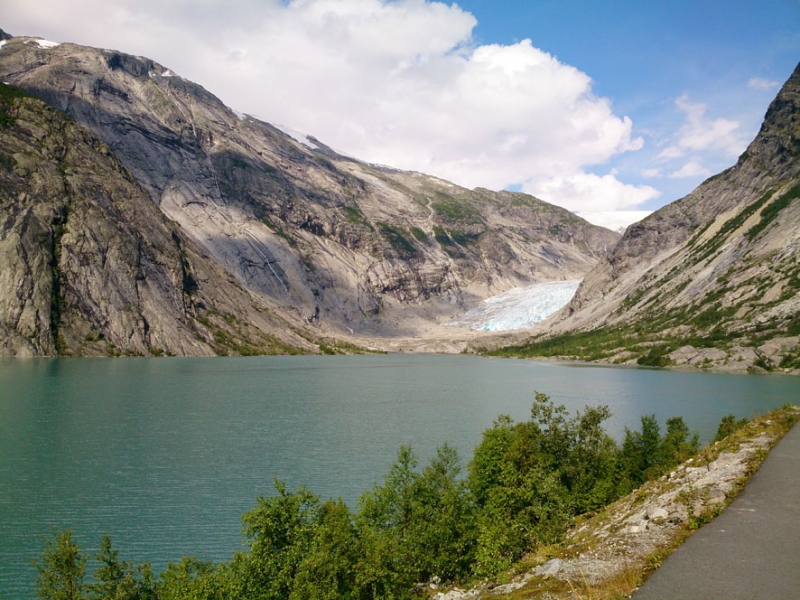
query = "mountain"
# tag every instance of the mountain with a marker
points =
(325, 245)
(90, 266)
(712, 280)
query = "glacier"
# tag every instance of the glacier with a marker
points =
(615, 220)
(519, 308)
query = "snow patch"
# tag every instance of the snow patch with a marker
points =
(615, 220)
(520, 308)
(3, 43)
(46, 44)
(166, 73)
(298, 136)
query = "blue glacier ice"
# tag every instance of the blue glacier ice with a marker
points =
(520, 308)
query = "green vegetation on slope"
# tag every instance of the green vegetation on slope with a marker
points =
(703, 324)
(525, 485)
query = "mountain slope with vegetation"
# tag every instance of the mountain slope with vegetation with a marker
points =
(331, 243)
(712, 280)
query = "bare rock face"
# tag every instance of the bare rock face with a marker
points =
(327, 241)
(89, 265)
(716, 269)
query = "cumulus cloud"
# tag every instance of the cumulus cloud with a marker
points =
(395, 82)
(651, 173)
(691, 169)
(700, 134)
(590, 192)
(758, 83)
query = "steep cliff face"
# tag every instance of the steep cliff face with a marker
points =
(332, 242)
(717, 269)
(89, 265)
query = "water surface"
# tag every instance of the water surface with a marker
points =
(166, 454)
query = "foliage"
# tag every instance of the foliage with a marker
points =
(524, 486)
(114, 579)
(397, 238)
(416, 526)
(191, 579)
(727, 426)
(62, 568)
(530, 479)
(326, 572)
(645, 454)
(280, 530)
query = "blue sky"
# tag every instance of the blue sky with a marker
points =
(591, 105)
(645, 55)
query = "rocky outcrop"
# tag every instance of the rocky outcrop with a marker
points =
(327, 241)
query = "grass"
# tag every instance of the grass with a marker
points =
(8, 94)
(332, 346)
(231, 335)
(398, 240)
(771, 211)
(455, 210)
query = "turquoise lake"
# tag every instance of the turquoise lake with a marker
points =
(165, 454)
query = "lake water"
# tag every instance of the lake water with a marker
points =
(166, 454)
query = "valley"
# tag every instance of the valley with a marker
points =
(147, 218)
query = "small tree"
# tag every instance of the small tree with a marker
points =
(114, 580)
(678, 445)
(61, 567)
(641, 456)
(387, 566)
(280, 530)
(191, 579)
(727, 426)
(327, 571)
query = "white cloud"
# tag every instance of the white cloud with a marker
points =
(691, 169)
(590, 192)
(700, 134)
(395, 82)
(758, 83)
(651, 173)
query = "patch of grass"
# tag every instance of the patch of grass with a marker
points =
(398, 240)
(232, 335)
(455, 210)
(732, 224)
(447, 244)
(354, 215)
(333, 346)
(278, 229)
(8, 94)
(771, 211)
(464, 239)
(419, 235)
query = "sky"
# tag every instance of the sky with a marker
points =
(592, 105)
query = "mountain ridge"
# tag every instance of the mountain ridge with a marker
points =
(332, 245)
